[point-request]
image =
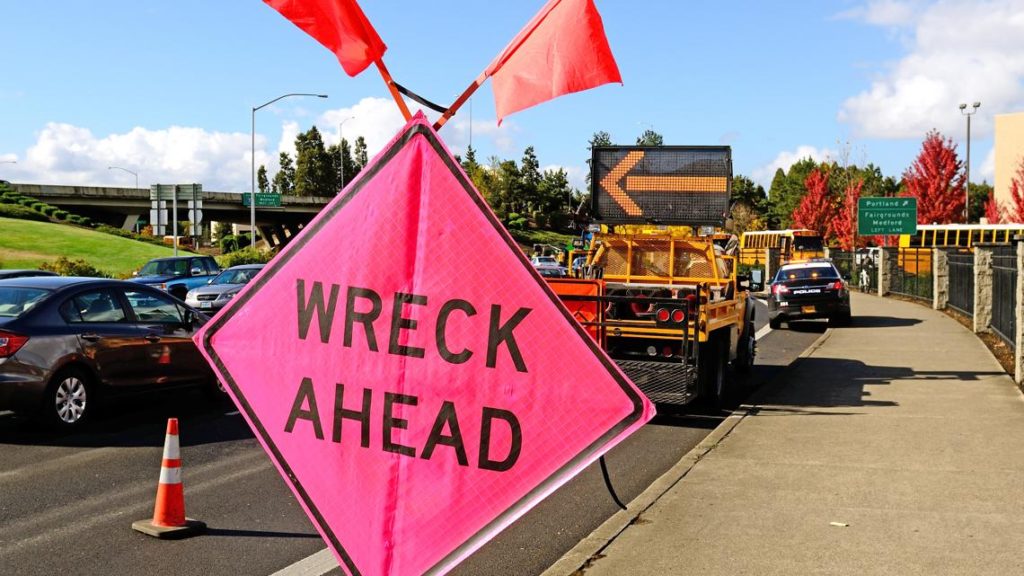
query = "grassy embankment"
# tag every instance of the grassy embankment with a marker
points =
(27, 244)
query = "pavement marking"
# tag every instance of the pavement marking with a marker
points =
(762, 332)
(314, 565)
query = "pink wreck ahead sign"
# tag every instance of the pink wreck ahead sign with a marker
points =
(413, 378)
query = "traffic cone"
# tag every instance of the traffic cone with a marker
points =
(169, 520)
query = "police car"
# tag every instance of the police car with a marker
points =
(807, 290)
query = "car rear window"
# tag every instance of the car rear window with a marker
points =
(807, 273)
(16, 301)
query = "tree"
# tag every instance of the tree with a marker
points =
(843, 225)
(529, 180)
(786, 192)
(262, 183)
(936, 179)
(284, 180)
(650, 138)
(361, 157)
(979, 195)
(994, 213)
(314, 170)
(600, 138)
(1015, 210)
(816, 209)
(746, 190)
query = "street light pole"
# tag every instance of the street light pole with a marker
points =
(341, 139)
(136, 186)
(967, 171)
(252, 173)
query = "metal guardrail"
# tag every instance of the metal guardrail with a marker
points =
(910, 272)
(1004, 297)
(961, 281)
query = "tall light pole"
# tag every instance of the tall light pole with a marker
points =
(341, 139)
(252, 191)
(967, 175)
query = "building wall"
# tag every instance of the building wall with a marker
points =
(1009, 145)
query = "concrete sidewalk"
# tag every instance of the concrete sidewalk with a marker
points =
(894, 447)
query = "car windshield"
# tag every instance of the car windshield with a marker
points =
(807, 273)
(16, 301)
(241, 276)
(165, 268)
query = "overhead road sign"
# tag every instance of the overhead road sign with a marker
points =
(415, 400)
(886, 216)
(262, 200)
(687, 185)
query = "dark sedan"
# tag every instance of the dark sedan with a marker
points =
(67, 342)
(807, 290)
(5, 274)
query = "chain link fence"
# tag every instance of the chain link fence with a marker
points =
(1004, 292)
(961, 281)
(910, 272)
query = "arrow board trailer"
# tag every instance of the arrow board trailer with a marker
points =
(661, 299)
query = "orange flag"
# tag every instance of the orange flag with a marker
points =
(340, 26)
(562, 50)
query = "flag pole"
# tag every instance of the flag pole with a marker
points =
(460, 100)
(391, 87)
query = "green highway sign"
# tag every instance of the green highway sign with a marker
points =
(262, 200)
(886, 216)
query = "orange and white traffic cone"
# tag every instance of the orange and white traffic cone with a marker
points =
(169, 513)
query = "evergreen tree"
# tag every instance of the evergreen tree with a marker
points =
(262, 183)
(361, 157)
(314, 173)
(650, 138)
(529, 180)
(284, 180)
(786, 192)
(600, 138)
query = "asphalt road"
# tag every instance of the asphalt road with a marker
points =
(67, 502)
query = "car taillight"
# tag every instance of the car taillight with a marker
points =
(10, 343)
(663, 314)
(780, 289)
(838, 285)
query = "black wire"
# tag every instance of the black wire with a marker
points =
(608, 483)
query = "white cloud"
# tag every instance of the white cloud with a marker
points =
(72, 155)
(988, 168)
(958, 51)
(764, 174)
(885, 12)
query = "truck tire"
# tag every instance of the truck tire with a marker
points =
(714, 385)
(179, 291)
(746, 349)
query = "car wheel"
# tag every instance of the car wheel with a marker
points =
(216, 392)
(69, 400)
(775, 323)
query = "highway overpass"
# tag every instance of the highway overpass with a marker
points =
(123, 207)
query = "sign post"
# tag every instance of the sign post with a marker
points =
(415, 396)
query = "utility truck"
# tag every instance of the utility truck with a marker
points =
(655, 291)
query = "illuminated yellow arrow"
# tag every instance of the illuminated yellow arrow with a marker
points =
(611, 183)
(683, 184)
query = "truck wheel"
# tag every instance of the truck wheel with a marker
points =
(746, 349)
(178, 291)
(714, 385)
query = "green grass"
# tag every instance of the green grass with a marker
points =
(527, 238)
(26, 244)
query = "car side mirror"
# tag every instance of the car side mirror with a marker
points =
(756, 280)
(135, 272)
(210, 281)
(196, 272)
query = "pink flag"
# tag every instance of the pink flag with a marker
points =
(562, 50)
(340, 26)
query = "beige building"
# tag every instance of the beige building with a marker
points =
(1009, 149)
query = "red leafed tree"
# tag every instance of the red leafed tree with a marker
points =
(994, 213)
(844, 223)
(817, 209)
(1015, 211)
(936, 179)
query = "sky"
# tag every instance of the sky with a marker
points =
(165, 89)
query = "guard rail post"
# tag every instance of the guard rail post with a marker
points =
(883, 273)
(982, 289)
(1018, 359)
(940, 279)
